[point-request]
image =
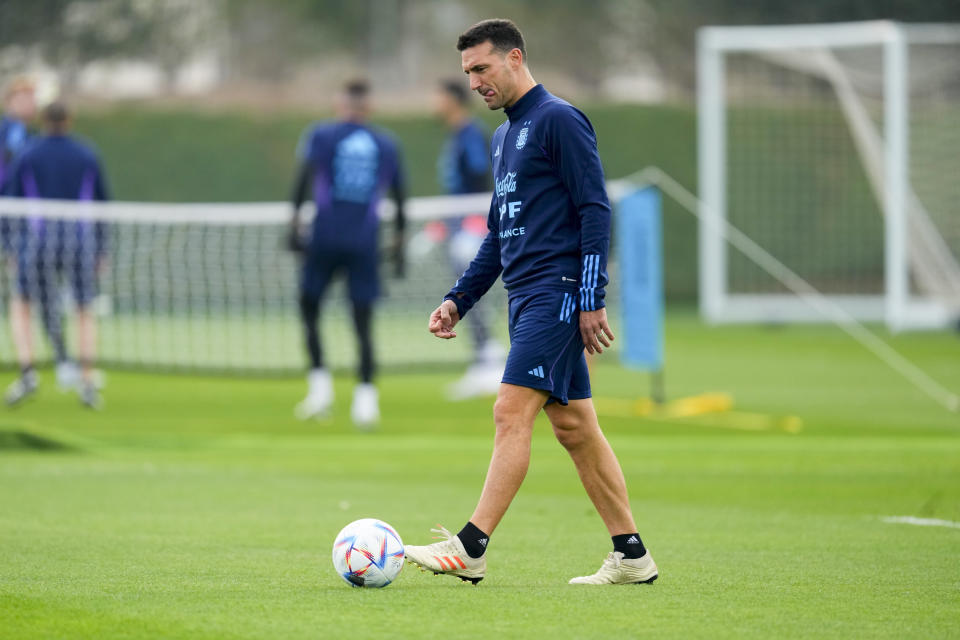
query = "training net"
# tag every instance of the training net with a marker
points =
(213, 288)
(834, 147)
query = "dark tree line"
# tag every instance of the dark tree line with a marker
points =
(400, 41)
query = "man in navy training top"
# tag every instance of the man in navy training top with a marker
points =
(345, 167)
(463, 168)
(57, 166)
(549, 234)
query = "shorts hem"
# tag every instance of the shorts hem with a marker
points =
(526, 383)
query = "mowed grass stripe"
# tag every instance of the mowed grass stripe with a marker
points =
(199, 508)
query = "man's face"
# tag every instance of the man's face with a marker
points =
(22, 105)
(492, 74)
(352, 107)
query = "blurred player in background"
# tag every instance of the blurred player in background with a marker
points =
(345, 167)
(464, 167)
(549, 233)
(19, 110)
(56, 166)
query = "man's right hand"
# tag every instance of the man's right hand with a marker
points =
(443, 319)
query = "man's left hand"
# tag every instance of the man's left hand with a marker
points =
(595, 330)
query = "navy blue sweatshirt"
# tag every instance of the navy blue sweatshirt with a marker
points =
(464, 164)
(63, 168)
(349, 166)
(549, 221)
(14, 138)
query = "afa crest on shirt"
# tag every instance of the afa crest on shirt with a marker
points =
(522, 137)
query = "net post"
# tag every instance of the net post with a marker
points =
(896, 170)
(658, 392)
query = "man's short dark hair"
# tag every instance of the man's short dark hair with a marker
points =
(503, 34)
(357, 89)
(56, 113)
(456, 90)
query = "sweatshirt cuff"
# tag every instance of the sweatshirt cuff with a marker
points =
(591, 293)
(591, 298)
(462, 306)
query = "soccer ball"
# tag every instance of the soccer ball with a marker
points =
(368, 553)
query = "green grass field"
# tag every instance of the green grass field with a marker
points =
(197, 507)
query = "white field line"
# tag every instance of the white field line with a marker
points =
(921, 522)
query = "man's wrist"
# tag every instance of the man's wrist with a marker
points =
(457, 303)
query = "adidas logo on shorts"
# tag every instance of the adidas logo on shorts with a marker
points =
(537, 372)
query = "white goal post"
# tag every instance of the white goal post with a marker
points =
(835, 147)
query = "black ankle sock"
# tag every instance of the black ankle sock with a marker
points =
(630, 545)
(25, 371)
(474, 540)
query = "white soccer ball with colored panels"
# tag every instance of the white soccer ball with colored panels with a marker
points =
(368, 553)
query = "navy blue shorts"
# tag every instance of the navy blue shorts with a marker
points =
(39, 276)
(322, 264)
(546, 350)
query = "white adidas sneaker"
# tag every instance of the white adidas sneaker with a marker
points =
(68, 376)
(319, 398)
(480, 380)
(619, 570)
(21, 388)
(447, 556)
(365, 411)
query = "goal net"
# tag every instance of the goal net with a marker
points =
(212, 287)
(834, 147)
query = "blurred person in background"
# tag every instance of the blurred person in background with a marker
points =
(345, 167)
(19, 110)
(46, 251)
(464, 167)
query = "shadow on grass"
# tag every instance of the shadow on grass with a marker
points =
(20, 440)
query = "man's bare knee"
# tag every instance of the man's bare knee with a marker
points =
(572, 426)
(570, 433)
(509, 418)
(515, 410)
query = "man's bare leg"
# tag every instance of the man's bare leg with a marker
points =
(87, 342)
(464, 554)
(20, 330)
(514, 412)
(26, 384)
(578, 430)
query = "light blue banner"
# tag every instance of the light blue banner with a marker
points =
(639, 234)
